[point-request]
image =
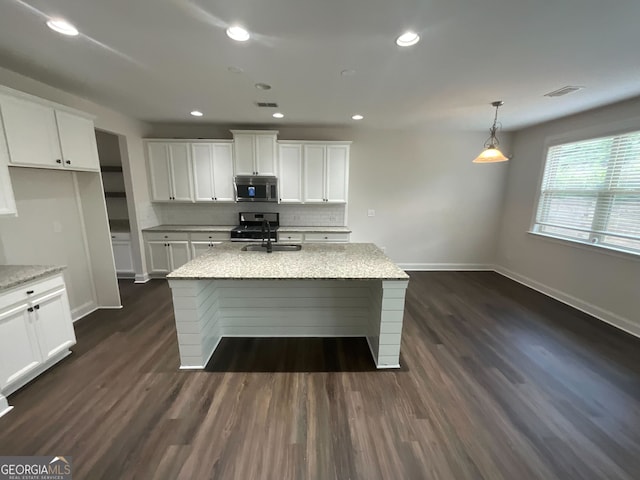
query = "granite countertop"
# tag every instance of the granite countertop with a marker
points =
(189, 228)
(13, 275)
(227, 228)
(347, 261)
(282, 229)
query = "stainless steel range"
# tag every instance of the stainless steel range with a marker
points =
(256, 226)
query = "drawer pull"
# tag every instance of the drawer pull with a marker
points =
(30, 309)
(29, 292)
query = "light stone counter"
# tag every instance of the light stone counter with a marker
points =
(349, 261)
(14, 275)
(190, 228)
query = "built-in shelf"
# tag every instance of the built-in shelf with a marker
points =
(115, 194)
(110, 169)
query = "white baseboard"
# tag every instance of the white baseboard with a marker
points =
(111, 307)
(83, 310)
(4, 406)
(460, 267)
(141, 278)
(586, 307)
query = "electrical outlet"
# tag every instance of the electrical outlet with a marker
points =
(371, 213)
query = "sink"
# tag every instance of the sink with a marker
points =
(276, 247)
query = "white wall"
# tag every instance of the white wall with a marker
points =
(603, 284)
(141, 211)
(49, 231)
(434, 208)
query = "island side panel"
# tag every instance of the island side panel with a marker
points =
(385, 334)
(294, 308)
(196, 308)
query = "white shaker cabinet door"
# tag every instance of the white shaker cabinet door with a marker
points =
(337, 173)
(223, 172)
(314, 173)
(244, 154)
(202, 154)
(19, 351)
(158, 257)
(290, 178)
(179, 253)
(198, 248)
(265, 154)
(53, 326)
(31, 133)
(78, 141)
(180, 171)
(159, 172)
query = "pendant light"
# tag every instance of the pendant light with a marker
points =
(491, 153)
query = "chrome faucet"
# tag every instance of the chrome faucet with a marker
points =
(268, 243)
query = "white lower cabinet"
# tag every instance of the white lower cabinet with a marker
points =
(167, 251)
(36, 331)
(168, 255)
(122, 254)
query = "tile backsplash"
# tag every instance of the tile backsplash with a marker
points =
(227, 214)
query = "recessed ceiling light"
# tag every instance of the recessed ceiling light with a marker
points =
(197, 113)
(349, 72)
(357, 117)
(234, 69)
(237, 33)
(407, 39)
(62, 26)
(263, 86)
(278, 115)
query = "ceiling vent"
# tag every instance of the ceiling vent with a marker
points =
(267, 105)
(563, 91)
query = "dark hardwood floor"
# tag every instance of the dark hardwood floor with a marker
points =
(497, 382)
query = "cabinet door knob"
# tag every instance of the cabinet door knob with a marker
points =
(68, 162)
(29, 292)
(37, 307)
(30, 309)
(326, 238)
(58, 160)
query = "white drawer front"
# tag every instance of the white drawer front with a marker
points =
(27, 291)
(120, 236)
(160, 236)
(213, 236)
(290, 237)
(326, 237)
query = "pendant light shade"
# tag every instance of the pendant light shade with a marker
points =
(491, 152)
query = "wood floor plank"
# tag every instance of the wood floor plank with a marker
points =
(497, 382)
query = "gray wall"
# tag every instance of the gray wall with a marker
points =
(603, 283)
(434, 208)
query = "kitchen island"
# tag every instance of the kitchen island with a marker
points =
(323, 290)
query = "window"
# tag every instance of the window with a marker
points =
(591, 192)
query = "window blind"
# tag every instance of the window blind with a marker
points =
(591, 192)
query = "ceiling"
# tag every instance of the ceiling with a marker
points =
(156, 60)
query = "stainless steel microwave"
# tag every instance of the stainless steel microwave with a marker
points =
(256, 189)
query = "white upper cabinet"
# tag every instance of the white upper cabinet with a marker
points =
(39, 135)
(78, 141)
(7, 199)
(314, 173)
(213, 172)
(325, 173)
(290, 178)
(337, 173)
(170, 171)
(255, 152)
